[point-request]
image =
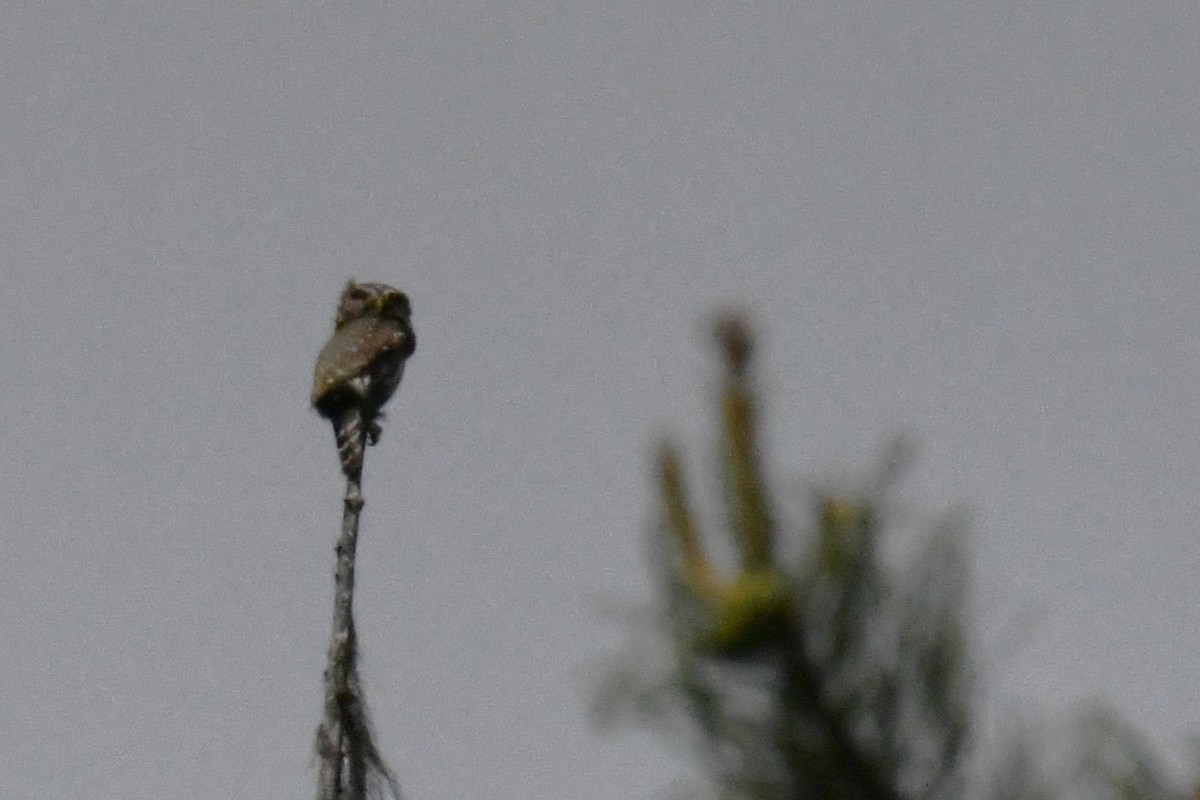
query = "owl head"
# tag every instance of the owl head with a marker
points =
(371, 300)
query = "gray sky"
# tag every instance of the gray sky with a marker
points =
(976, 223)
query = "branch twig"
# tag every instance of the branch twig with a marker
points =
(349, 759)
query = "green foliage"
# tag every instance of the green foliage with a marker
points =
(831, 674)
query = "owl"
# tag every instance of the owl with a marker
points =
(361, 366)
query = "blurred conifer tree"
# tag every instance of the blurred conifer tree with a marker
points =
(812, 669)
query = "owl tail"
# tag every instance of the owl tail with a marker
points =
(351, 441)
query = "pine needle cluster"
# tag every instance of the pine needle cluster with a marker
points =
(814, 667)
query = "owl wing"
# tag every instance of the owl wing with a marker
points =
(351, 350)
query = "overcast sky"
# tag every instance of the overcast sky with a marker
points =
(976, 223)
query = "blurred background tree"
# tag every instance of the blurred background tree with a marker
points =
(815, 668)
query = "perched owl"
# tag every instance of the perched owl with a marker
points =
(361, 365)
